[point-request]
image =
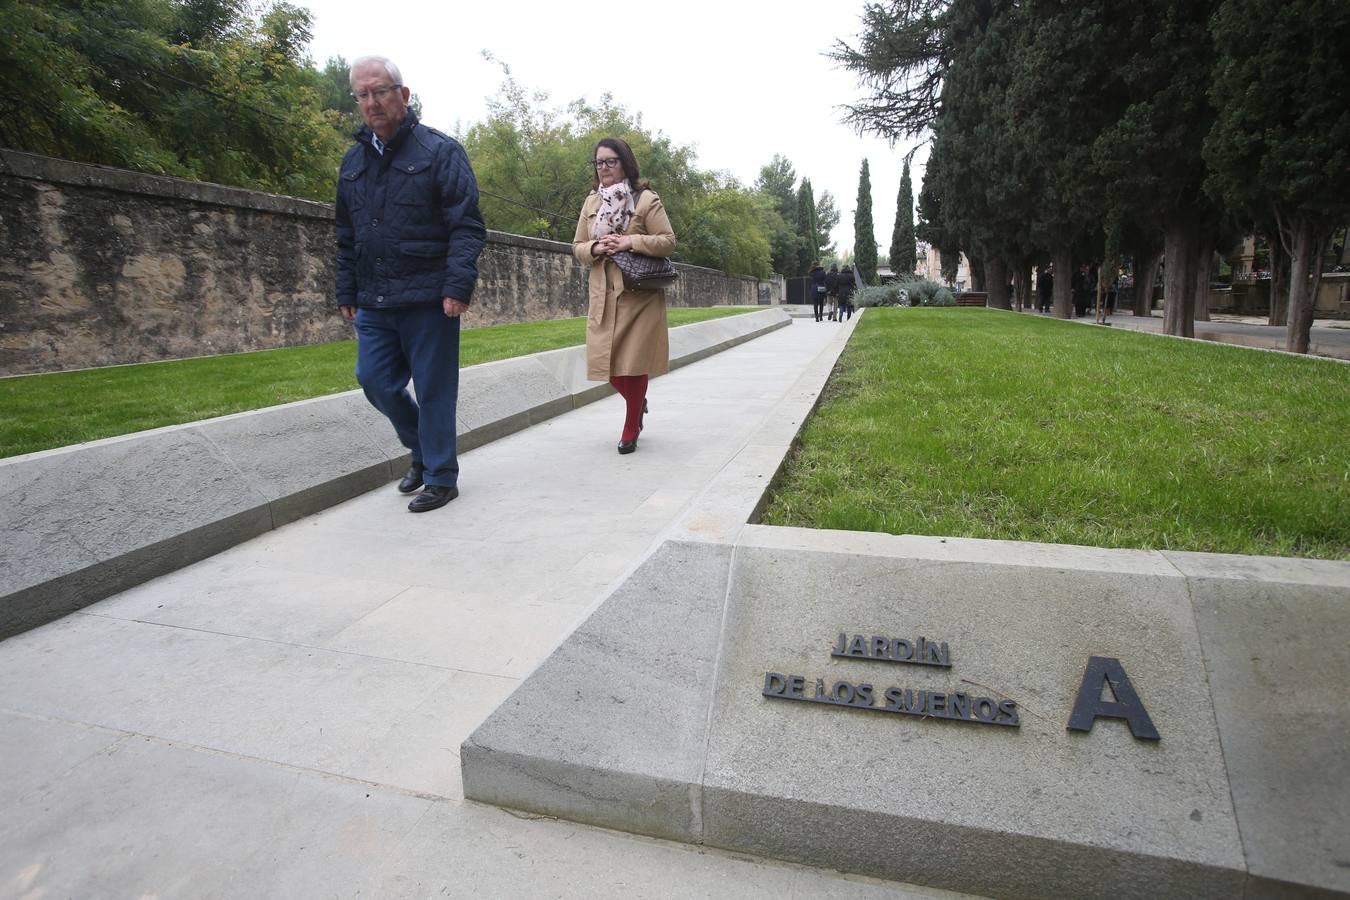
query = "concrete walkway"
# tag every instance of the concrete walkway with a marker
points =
(1329, 337)
(283, 719)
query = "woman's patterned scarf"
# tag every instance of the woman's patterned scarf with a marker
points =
(616, 209)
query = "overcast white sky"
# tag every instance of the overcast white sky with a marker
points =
(739, 80)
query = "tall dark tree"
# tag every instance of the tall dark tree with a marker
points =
(1148, 159)
(932, 226)
(1280, 147)
(900, 60)
(808, 252)
(904, 253)
(864, 235)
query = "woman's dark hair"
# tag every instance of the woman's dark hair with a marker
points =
(626, 159)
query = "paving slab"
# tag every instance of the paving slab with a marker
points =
(1278, 657)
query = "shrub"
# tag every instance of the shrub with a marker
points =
(923, 292)
(885, 295)
(911, 291)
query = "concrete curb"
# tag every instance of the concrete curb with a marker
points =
(86, 521)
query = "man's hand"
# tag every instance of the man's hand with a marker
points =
(348, 312)
(453, 307)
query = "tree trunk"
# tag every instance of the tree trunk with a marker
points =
(996, 282)
(1145, 273)
(977, 279)
(1106, 280)
(1305, 264)
(1063, 287)
(1179, 279)
(1026, 302)
(1279, 282)
(1204, 266)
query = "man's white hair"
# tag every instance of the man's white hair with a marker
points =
(385, 61)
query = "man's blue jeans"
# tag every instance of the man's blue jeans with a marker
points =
(422, 343)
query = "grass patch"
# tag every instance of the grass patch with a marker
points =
(61, 408)
(977, 423)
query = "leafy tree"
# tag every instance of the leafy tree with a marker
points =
(1280, 145)
(725, 232)
(195, 88)
(827, 217)
(778, 181)
(864, 236)
(904, 253)
(777, 185)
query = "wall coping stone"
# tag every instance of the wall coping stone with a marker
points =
(63, 171)
(158, 500)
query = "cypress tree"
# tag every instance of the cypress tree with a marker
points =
(903, 252)
(864, 236)
(808, 250)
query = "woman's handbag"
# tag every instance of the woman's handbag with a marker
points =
(644, 273)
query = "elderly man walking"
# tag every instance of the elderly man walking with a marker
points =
(408, 234)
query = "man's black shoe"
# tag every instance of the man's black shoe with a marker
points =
(413, 479)
(433, 496)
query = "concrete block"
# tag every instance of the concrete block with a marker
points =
(610, 728)
(1238, 670)
(85, 522)
(304, 456)
(1277, 652)
(496, 394)
(1028, 811)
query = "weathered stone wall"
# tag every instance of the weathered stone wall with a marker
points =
(103, 266)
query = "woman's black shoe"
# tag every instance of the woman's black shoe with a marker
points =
(627, 446)
(644, 413)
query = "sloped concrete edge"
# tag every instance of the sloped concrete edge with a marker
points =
(93, 519)
(945, 855)
(611, 728)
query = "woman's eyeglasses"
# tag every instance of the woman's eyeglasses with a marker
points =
(606, 163)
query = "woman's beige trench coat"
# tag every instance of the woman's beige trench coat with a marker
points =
(626, 331)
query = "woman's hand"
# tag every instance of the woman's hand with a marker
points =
(614, 243)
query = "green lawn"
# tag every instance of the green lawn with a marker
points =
(45, 411)
(977, 423)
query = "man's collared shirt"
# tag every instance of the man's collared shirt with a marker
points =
(377, 143)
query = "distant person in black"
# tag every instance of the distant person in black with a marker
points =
(1082, 289)
(832, 288)
(816, 286)
(845, 289)
(1045, 287)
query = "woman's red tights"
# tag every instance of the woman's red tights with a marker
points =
(633, 389)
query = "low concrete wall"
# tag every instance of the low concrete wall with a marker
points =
(86, 521)
(102, 266)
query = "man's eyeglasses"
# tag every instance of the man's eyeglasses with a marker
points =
(606, 163)
(378, 94)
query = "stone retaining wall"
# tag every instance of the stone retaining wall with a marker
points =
(103, 266)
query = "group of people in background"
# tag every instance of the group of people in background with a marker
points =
(831, 292)
(1084, 283)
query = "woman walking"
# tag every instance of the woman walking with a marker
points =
(626, 331)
